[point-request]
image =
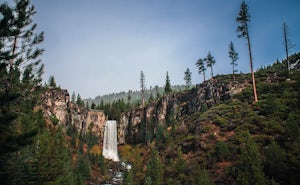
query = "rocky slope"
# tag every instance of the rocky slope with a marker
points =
(170, 107)
(58, 108)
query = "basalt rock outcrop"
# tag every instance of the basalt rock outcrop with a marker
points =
(163, 111)
(58, 108)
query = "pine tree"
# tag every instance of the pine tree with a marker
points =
(73, 97)
(128, 177)
(143, 87)
(243, 19)
(93, 105)
(20, 73)
(201, 67)
(54, 159)
(79, 100)
(155, 168)
(210, 61)
(168, 88)
(157, 91)
(250, 171)
(234, 57)
(188, 78)
(202, 177)
(51, 81)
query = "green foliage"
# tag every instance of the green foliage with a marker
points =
(168, 88)
(275, 161)
(51, 81)
(210, 61)
(250, 171)
(201, 67)
(202, 177)
(20, 73)
(82, 168)
(160, 136)
(54, 159)
(148, 181)
(233, 55)
(73, 97)
(292, 128)
(220, 121)
(155, 168)
(243, 19)
(222, 151)
(79, 100)
(188, 78)
(128, 177)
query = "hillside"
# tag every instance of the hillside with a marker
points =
(233, 141)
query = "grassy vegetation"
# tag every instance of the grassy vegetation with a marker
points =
(234, 141)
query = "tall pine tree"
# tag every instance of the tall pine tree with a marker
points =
(243, 31)
(20, 72)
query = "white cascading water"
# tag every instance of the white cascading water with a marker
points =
(110, 143)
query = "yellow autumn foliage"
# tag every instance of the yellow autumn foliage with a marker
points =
(96, 150)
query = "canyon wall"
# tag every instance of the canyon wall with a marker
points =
(168, 108)
(57, 107)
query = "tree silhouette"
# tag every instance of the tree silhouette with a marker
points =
(188, 78)
(287, 44)
(168, 88)
(20, 73)
(234, 57)
(243, 18)
(210, 61)
(52, 82)
(201, 67)
(143, 87)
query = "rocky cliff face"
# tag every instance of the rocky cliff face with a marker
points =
(133, 123)
(57, 106)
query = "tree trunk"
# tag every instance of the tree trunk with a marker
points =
(11, 62)
(143, 99)
(203, 76)
(212, 73)
(286, 46)
(251, 68)
(233, 71)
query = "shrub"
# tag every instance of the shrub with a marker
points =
(222, 150)
(220, 121)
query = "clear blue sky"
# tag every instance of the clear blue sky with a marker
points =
(95, 47)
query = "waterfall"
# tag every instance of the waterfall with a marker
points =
(110, 148)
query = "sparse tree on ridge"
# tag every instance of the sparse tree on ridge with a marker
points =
(52, 82)
(234, 57)
(79, 100)
(243, 19)
(168, 88)
(157, 92)
(143, 87)
(188, 78)
(201, 67)
(210, 61)
(287, 44)
(73, 97)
